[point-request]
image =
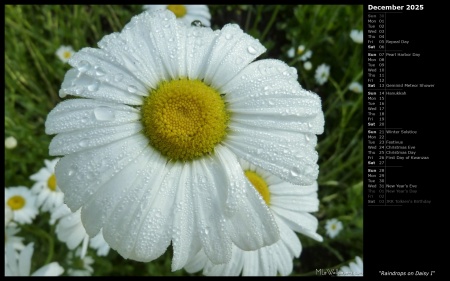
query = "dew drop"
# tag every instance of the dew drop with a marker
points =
(132, 89)
(84, 66)
(197, 23)
(307, 138)
(228, 36)
(83, 143)
(104, 113)
(251, 50)
(309, 125)
(266, 88)
(99, 71)
(70, 173)
(295, 172)
(94, 86)
(118, 77)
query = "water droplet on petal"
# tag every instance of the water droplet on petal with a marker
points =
(197, 23)
(228, 36)
(104, 113)
(251, 50)
(83, 143)
(118, 77)
(132, 89)
(94, 87)
(295, 172)
(70, 173)
(99, 71)
(84, 66)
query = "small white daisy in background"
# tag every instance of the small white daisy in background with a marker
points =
(292, 52)
(333, 227)
(22, 203)
(64, 53)
(151, 143)
(78, 265)
(186, 13)
(307, 65)
(357, 36)
(48, 194)
(11, 239)
(306, 56)
(10, 142)
(71, 231)
(353, 269)
(19, 264)
(98, 243)
(69, 228)
(322, 73)
(355, 87)
(291, 206)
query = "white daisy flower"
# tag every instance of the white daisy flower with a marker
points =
(22, 203)
(151, 146)
(20, 264)
(353, 269)
(333, 227)
(322, 73)
(291, 52)
(306, 56)
(11, 239)
(291, 205)
(357, 36)
(355, 87)
(10, 142)
(70, 229)
(185, 13)
(64, 53)
(307, 65)
(48, 194)
(98, 243)
(79, 265)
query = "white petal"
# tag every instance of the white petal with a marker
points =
(199, 41)
(295, 197)
(25, 260)
(183, 213)
(304, 223)
(140, 59)
(104, 68)
(75, 114)
(51, 269)
(197, 262)
(250, 222)
(284, 260)
(81, 174)
(250, 264)
(84, 139)
(11, 265)
(79, 84)
(232, 51)
(210, 223)
(285, 154)
(289, 238)
(139, 227)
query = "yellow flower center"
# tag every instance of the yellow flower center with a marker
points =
(16, 202)
(184, 119)
(333, 226)
(178, 10)
(51, 182)
(67, 54)
(259, 184)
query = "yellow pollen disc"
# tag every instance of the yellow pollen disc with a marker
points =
(16, 202)
(178, 10)
(67, 55)
(51, 183)
(184, 119)
(259, 184)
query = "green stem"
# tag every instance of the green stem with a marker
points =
(271, 21)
